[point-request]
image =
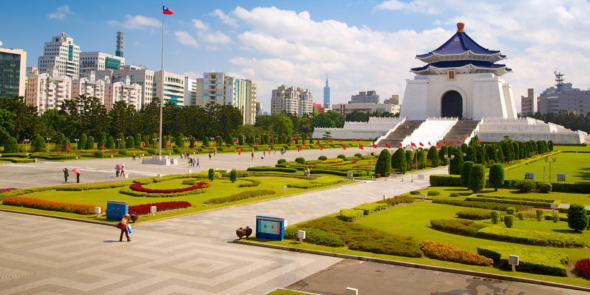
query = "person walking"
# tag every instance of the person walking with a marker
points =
(198, 164)
(117, 170)
(262, 157)
(66, 174)
(123, 227)
(78, 177)
(122, 173)
(215, 152)
(133, 157)
(209, 155)
(252, 155)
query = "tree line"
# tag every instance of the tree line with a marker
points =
(566, 119)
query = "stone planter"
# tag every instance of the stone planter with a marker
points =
(248, 231)
(240, 232)
(134, 217)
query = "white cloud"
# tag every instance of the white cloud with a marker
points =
(185, 38)
(137, 22)
(61, 13)
(199, 25)
(421, 6)
(193, 75)
(226, 19)
(216, 37)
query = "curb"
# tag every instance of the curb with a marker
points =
(416, 265)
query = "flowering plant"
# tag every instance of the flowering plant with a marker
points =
(161, 206)
(49, 205)
(583, 267)
(3, 190)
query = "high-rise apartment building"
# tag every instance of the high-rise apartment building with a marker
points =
(326, 94)
(61, 54)
(563, 97)
(365, 97)
(139, 75)
(123, 91)
(528, 104)
(99, 61)
(47, 91)
(190, 91)
(173, 88)
(293, 100)
(89, 87)
(219, 88)
(13, 70)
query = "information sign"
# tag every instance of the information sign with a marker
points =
(270, 228)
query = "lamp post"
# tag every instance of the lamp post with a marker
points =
(48, 139)
(27, 146)
(451, 157)
(548, 161)
(118, 141)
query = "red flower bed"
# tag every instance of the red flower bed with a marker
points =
(139, 188)
(162, 206)
(583, 267)
(49, 205)
(3, 190)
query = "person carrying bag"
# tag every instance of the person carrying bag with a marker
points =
(125, 227)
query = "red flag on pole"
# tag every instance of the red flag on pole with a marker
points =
(67, 147)
(344, 147)
(269, 150)
(361, 147)
(438, 144)
(458, 142)
(400, 145)
(421, 144)
(239, 151)
(429, 143)
(387, 145)
(102, 146)
(362, 139)
(339, 140)
(413, 144)
(479, 142)
(374, 146)
(298, 148)
(446, 143)
(330, 140)
(318, 142)
(452, 142)
(292, 142)
(195, 143)
(167, 11)
(321, 147)
(354, 139)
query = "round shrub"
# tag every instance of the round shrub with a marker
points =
(555, 217)
(525, 186)
(11, 146)
(414, 192)
(358, 155)
(583, 268)
(176, 150)
(577, 219)
(281, 161)
(322, 158)
(300, 160)
(509, 221)
(465, 172)
(433, 193)
(539, 213)
(211, 174)
(383, 165)
(341, 156)
(454, 195)
(520, 215)
(544, 187)
(510, 210)
(497, 176)
(152, 151)
(398, 161)
(233, 175)
(477, 178)
(495, 217)
(123, 152)
(98, 154)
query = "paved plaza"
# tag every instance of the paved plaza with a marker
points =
(49, 173)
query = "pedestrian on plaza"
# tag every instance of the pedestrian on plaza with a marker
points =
(139, 156)
(262, 157)
(215, 152)
(198, 164)
(133, 157)
(66, 174)
(252, 155)
(123, 227)
(117, 170)
(78, 177)
(209, 155)
(122, 173)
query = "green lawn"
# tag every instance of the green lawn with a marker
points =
(446, 191)
(414, 220)
(219, 188)
(573, 148)
(285, 292)
(575, 166)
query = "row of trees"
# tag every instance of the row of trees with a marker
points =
(566, 119)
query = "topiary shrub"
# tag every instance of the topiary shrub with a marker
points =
(11, 146)
(454, 195)
(233, 175)
(510, 210)
(520, 215)
(539, 213)
(341, 156)
(414, 192)
(465, 171)
(525, 186)
(383, 165)
(477, 180)
(300, 160)
(495, 217)
(281, 161)
(322, 158)
(211, 174)
(496, 176)
(98, 154)
(123, 152)
(555, 217)
(358, 155)
(509, 221)
(433, 193)
(398, 161)
(544, 187)
(577, 218)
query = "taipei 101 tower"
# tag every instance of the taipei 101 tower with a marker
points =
(326, 94)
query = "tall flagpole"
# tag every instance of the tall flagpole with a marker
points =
(161, 86)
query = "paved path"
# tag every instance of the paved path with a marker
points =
(47, 173)
(221, 224)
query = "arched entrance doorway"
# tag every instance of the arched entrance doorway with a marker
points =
(452, 105)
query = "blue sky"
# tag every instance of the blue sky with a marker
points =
(362, 45)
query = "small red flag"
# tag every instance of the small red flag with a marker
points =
(330, 140)
(458, 142)
(446, 143)
(344, 147)
(438, 144)
(361, 147)
(413, 144)
(298, 148)
(421, 144)
(239, 151)
(339, 140)
(400, 145)
(68, 146)
(167, 11)
(387, 145)
(354, 139)
(452, 142)
(374, 146)
(479, 142)
(321, 147)
(362, 139)
(102, 146)
(167, 142)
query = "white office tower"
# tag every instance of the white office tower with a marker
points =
(48, 90)
(13, 64)
(219, 88)
(62, 55)
(138, 75)
(99, 61)
(173, 89)
(89, 87)
(293, 100)
(123, 91)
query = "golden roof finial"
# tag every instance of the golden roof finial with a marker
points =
(460, 27)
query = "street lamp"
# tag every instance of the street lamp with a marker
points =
(26, 146)
(548, 161)
(451, 157)
(118, 140)
(48, 139)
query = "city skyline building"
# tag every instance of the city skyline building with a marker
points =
(99, 61)
(61, 54)
(370, 96)
(123, 91)
(528, 104)
(90, 87)
(293, 100)
(13, 72)
(563, 97)
(326, 94)
(47, 91)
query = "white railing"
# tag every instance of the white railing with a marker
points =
(390, 131)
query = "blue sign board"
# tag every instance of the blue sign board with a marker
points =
(270, 228)
(117, 209)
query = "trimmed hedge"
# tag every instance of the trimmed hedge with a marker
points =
(531, 237)
(568, 187)
(318, 182)
(445, 180)
(448, 252)
(351, 215)
(273, 169)
(516, 198)
(144, 209)
(252, 183)
(87, 187)
(536, 261)
(475, 214)
(130, 192)
(398, 200)
(509, 201)
(433, 193)
(457, 226)
(241, 196)
(356, 173)
(361, 238)
(369, 208)
(14, 155)
(481, 205)
(18, 160)
(49, 205)
(316, 237)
